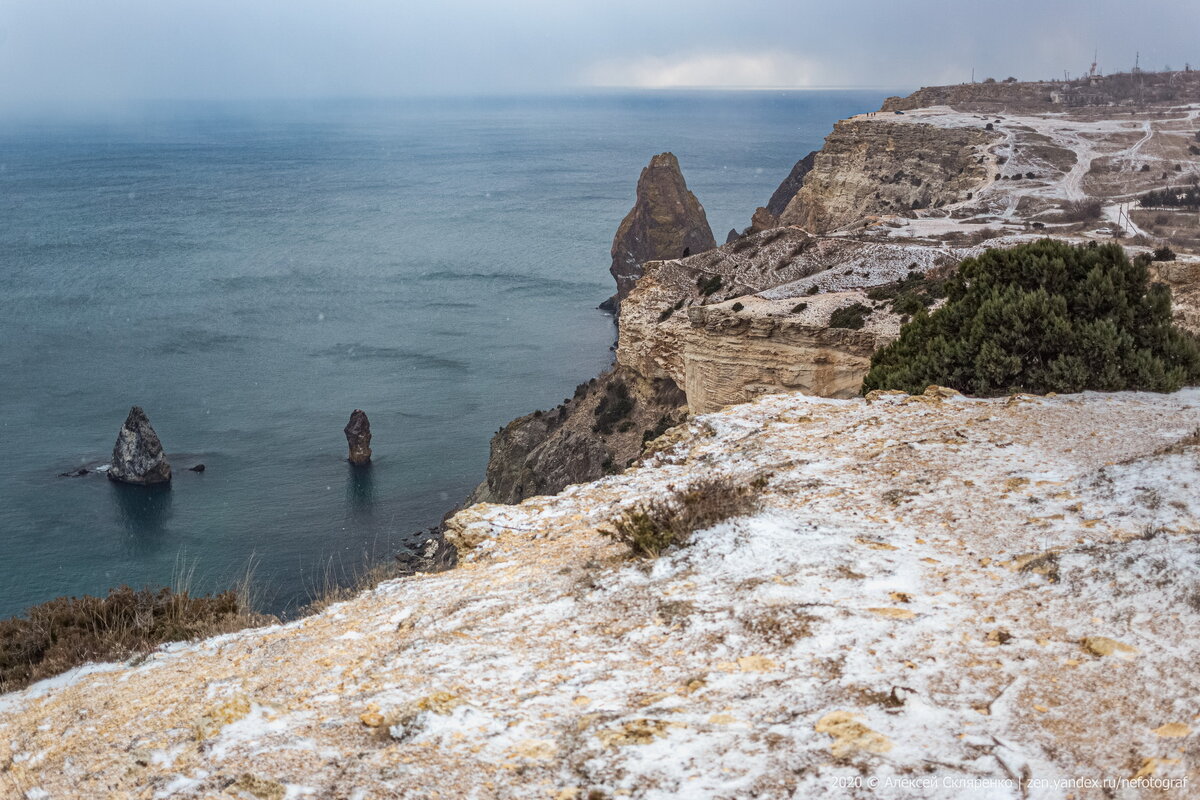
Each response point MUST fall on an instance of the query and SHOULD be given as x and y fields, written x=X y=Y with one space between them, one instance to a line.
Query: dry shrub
x=1087 y=210
x=982 y=235
x=780 y=626
x=68 y=631
x=651 y=527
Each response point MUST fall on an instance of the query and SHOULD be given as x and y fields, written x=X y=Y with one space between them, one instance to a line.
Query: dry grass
x=68 y=631
x=1192 y=440
x=334 y=591
x=650 y=528
x=339 y=584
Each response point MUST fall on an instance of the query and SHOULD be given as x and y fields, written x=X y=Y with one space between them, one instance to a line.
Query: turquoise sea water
x=251 y=274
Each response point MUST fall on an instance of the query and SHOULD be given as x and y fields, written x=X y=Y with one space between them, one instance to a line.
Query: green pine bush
x=1043 y=317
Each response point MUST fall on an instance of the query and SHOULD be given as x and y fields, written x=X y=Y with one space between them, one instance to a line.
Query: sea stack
x=138 y=456
x=358 y=436
x=666 y=221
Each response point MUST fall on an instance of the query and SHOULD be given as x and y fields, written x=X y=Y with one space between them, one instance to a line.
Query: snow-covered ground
x=938 y=597
x=1061 y=157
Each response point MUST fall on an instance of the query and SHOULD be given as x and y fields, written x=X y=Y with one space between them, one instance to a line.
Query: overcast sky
x=72 y=52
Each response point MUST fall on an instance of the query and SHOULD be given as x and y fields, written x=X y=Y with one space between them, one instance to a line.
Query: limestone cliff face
x=753 y=317
x=655 y=323
x=876 y=166
x=735 y=356
x=1183 y=278
x=666 y=221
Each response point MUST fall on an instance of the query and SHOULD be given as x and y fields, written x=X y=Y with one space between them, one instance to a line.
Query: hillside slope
x=968 y=592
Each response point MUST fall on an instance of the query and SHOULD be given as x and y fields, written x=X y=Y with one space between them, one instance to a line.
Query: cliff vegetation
x=1044 y=317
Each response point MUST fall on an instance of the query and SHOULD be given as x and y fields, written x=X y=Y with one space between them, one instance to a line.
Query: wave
x=185 y=341
x=456 y=306
x=511 y=281
x=366 y=352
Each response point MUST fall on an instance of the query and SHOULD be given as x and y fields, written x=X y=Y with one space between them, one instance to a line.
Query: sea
x=251 y=273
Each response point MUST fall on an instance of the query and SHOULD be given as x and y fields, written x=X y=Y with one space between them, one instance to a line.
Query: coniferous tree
x=1044 y=317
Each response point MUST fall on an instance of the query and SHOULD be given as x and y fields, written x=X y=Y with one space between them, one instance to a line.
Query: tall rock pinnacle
x=666 y=221
x=138 y=455
x=358 y=436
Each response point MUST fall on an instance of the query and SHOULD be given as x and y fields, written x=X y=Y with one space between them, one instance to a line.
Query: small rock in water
x=358 y=436
x=75 y=473
x=138 y=456
x=197 y=468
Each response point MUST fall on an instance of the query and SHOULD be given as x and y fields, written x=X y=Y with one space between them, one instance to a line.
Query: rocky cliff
x=756 y=316
x=942 y=593
x=889 y=196
x=786 y=190
x=598 y=431
x=666 y=221
x=872 y=166
x=602 y=428
x=765 y=347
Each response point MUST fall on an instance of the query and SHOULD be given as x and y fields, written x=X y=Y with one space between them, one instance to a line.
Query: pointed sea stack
x=358 y=436
x=666 y=221
x=138 y=456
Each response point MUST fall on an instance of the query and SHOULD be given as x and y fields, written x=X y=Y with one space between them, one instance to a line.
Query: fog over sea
x=250 y=274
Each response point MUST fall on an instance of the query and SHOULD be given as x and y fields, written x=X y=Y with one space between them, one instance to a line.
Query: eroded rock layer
x=758 y=315
x=872 y=166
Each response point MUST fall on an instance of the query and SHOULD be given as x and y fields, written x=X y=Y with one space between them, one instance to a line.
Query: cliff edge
x=930 y=587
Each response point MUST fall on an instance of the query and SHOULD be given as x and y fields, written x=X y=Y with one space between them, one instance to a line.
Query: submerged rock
x=138 y=456
x=75 y=473
x=358 y=436
x=197 y=468
x=666 y=221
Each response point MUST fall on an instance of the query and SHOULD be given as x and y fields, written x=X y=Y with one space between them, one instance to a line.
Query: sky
x=106 y=52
